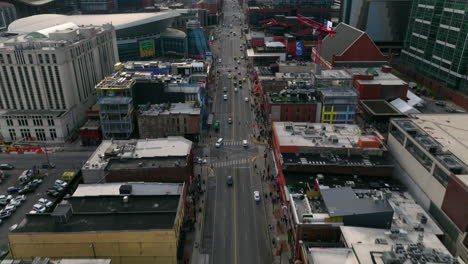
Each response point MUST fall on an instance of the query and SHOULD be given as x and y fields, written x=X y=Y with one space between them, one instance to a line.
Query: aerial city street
x=233 y=132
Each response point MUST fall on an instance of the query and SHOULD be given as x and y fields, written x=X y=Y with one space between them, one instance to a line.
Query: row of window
x=19 y=55
x=24 y=120
x=40 y=134
x=426 y=161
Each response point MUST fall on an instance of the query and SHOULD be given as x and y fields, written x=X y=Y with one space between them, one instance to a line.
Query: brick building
x=179 y=119
x=293 y=105
x=350 y=47
x=150 y=160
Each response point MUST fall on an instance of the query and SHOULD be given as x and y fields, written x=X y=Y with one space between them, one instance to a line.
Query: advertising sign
x=299 y=46
x=147 y=48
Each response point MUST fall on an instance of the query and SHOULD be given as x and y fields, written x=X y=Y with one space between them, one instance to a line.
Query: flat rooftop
x=380 y=77
x=320 y=135
x=115 y=83
x=369 y=244
x=146 y=163
x=297 y=96
x=331 y=256
x=449 y=130
x=380 y=108
x=344 y=201
x=108 y=213
x=334 y=159
x=333 y=75
x=138 y=188
x=176 y=108
x=137 y=149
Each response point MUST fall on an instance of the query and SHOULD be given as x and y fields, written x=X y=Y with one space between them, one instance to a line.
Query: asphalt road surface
x=235 y=229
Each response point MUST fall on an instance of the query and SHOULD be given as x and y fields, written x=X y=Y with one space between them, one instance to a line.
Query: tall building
x=7 y=15
x=197 y=43
x=47 y=79
x=436 y=46
x=33 y=7
x=116 y=106
x=385 y=20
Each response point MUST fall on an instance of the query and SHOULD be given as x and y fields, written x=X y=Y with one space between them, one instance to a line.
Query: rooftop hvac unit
x=408 y=126
x=451 y=163
x=62 y=213
x=427 y=143
x=390 y=258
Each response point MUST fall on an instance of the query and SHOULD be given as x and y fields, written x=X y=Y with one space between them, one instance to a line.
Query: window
x=25 y=133
x=53 y=134
x=54 y=58
x=30 y=59
x=22 y=120
x=12 y=134
x=395 y=132
x=326 y=117
x=441 y=176
x=419 y=155
x=37 y=120
x=9 y=58
x=40 y=58
x=9 y=120
x=50 y=121
x=40 y=134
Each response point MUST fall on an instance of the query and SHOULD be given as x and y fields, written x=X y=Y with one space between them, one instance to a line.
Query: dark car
x=5 y=214
x=48 y=165
x=58 y=188
x=13 y=189
x=229 y=180
x=6 y=166
x=52 y=192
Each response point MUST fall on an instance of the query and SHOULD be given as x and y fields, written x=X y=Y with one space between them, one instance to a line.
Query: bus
x=216 y=125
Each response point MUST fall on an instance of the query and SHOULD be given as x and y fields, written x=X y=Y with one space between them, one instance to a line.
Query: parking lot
x=64 y=162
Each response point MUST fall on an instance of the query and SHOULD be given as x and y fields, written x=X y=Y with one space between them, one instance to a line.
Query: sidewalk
x=278 y=234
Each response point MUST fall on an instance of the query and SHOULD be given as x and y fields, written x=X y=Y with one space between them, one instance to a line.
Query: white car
x=225 y=97
x=256 y=196
x=245 y=143
x=40 y=208
x=45 y=202
x=236 y=90
x=246 y=99
x=10 y=207
x=219 y=142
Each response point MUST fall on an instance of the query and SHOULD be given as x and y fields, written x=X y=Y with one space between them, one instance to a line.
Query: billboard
x=299 y=46
x=147 y=48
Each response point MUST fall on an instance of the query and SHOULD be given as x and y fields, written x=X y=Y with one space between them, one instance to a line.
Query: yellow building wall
x=130 y=247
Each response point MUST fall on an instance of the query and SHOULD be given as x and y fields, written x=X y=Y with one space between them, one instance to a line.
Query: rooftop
x=119 y=21
x=333 y=74
x=138 y=188
x=115 y=83
x=380 y=108
x=331 y=256
x=379 y=77
x=449 y=130
x=369 y=244
x=344 y=201
x=299 y=96
x=128 y=150
x=345 y=36
x=57 y=261
x=338 y=92
x=320 y=135
x=107 y=213
x=91 y=124
x=175 y=108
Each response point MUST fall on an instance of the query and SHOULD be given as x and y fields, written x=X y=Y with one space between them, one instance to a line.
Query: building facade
x=385 y=21
x=117 y=221
x=434 y=157
x=47 y=80
x=115 y=102
x=339 y=105
x=179 y=119
x=436 y=43
x=295 y=106
x=7 y=15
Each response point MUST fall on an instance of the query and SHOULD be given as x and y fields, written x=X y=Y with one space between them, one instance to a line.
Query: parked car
x=4 y=214
x=13 y=189
x=22 y=198
x=45 y=202
x=52 y=192
x=6 y=166
x=40 y=208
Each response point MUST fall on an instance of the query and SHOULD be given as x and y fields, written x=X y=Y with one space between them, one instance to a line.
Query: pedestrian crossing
x=229 y=163
x=233 y=143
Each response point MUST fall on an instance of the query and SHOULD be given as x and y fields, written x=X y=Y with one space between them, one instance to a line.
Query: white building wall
x=426 y=182
x=56 y=78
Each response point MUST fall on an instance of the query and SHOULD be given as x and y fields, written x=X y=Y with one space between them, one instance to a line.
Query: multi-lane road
x=235 y=229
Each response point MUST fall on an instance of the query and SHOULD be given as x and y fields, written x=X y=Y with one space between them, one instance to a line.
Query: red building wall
x=298 y=112
x=257 y=42
x=453 y=204
x=363 y=49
